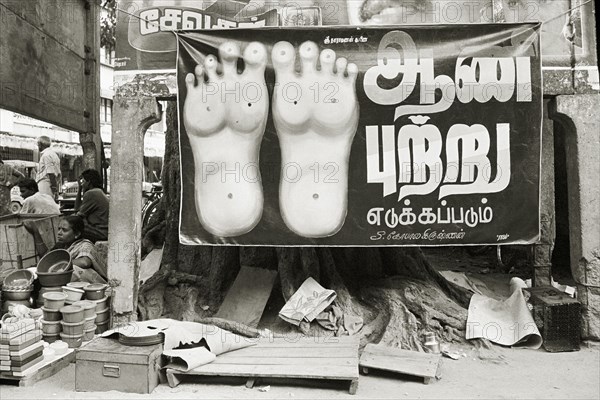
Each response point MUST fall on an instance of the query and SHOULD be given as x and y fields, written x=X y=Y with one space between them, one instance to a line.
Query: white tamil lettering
x=419 y=149
x=476 y=176
x=149 y=21
x=386 y=175
x=523 y=79
x=485 y=78
x=171 y=20
x=480 y=78
x=158 y=20
x=421 y=171
x=191 y=20
x=392 y=62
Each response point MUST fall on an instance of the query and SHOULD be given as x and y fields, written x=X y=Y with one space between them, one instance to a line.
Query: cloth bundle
x=308 y=302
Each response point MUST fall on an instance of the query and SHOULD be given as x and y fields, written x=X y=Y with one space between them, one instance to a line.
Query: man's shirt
x=40 y=203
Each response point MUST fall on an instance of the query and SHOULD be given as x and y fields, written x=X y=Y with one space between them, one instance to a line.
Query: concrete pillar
x=90 y=141
x=542 y=251
x=579 y=115
x=131 y=117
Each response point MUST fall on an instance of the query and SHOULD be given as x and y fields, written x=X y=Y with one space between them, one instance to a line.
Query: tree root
x=408 y=308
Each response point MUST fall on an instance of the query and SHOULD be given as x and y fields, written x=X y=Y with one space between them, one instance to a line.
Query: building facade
x=19 y=133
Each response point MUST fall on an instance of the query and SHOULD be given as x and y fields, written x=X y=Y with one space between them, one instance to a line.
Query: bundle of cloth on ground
x=307 y=302
x=187 y=344
x=312 y=302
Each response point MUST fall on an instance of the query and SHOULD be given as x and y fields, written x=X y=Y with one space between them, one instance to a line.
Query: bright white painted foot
x=316 y=116
x=225 y=118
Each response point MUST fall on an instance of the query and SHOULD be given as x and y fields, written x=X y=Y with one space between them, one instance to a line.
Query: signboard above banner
x=372 y=136
x=145 y=39
x=145 y=45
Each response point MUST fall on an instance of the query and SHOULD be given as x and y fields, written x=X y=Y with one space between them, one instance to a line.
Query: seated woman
x=87 y=265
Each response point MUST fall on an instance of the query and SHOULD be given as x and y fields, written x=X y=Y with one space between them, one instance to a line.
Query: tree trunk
x=396 y=291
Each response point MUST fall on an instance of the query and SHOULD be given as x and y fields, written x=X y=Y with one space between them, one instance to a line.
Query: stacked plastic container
x=43 y=290
x=97 y=294
x=51 y=326
x=89 y=318
x=72 y=325
x=71 y=319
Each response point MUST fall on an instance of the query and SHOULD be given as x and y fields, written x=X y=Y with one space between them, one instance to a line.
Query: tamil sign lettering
x=144 y=34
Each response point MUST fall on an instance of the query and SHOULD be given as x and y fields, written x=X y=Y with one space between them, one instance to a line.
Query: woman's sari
x=97 y=273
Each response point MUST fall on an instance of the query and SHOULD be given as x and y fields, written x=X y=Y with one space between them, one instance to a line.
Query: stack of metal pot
x=16 y=289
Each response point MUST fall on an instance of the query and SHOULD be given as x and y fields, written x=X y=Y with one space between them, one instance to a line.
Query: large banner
x=373 y=136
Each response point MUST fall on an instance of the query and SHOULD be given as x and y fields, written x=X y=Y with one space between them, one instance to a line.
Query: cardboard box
x=105 y=364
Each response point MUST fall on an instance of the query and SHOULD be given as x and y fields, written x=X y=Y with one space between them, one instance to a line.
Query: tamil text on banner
x=342 y=136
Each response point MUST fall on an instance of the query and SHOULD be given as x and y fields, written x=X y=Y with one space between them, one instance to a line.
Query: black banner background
x=515 y=209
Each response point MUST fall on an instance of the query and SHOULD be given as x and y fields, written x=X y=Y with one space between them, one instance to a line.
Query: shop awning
x=69 y=149
x=28 y=143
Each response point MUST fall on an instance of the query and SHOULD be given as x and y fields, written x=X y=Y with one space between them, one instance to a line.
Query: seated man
x=93 y=208
x=34 y=201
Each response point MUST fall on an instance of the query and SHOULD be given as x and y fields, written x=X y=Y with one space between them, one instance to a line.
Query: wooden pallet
x=307 y=358
x=40 y=371
x=401 y=361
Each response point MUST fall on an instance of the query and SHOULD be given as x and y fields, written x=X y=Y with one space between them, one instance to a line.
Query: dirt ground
x=504 y=374
x=499 y=373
